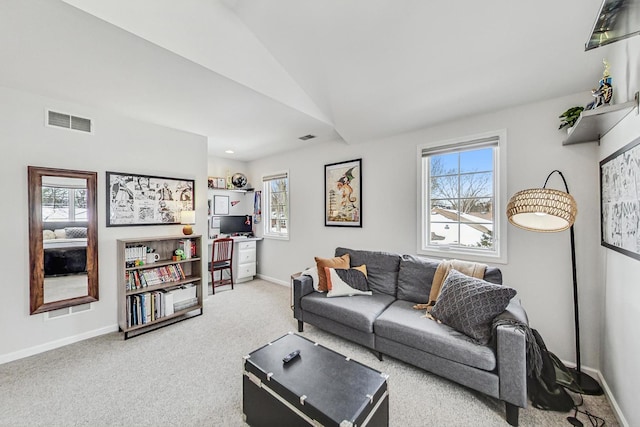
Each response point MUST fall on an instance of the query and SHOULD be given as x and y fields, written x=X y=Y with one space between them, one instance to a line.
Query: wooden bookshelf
x=151 y=295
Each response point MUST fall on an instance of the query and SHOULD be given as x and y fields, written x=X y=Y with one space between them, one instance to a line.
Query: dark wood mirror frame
x=36 y=248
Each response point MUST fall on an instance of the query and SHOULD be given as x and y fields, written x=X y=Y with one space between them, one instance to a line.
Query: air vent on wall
x=306 y=137
x=68 y=121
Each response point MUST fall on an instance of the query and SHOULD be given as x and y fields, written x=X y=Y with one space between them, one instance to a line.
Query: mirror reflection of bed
x=65 y=260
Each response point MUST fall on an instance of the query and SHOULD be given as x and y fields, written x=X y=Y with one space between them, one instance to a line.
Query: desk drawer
x=246 y=270
x=243 y=246
x=245 y=257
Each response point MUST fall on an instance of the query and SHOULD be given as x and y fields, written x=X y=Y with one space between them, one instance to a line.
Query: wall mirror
x=63 y=238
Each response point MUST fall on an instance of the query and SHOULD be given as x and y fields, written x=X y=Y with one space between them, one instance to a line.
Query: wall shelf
x=594 y=124
x=235 y=190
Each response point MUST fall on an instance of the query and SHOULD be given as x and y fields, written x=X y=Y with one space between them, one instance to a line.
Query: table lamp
x=187 y=218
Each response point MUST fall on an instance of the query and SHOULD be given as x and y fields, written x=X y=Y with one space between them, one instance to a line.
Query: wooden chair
x=221 y=260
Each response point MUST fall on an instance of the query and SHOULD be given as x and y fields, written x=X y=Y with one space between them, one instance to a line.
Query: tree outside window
x=64 y=204
x=461 y=198
x=461 y=192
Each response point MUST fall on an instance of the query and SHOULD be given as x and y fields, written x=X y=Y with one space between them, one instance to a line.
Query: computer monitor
x=236 y=224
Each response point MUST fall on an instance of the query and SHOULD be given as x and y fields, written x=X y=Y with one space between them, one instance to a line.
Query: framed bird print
x=343 y=194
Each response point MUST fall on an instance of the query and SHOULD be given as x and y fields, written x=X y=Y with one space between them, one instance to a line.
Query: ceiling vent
x=67 y=121
x=306 y=137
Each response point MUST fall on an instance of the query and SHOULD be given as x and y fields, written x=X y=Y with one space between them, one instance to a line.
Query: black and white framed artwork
x=147 y=200
x=620 y=200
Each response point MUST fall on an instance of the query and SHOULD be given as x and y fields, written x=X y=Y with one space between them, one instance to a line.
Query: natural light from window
x=460 y=198
x=64 y=204
x=276 y=205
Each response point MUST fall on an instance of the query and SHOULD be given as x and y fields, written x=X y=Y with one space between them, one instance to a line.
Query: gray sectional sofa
x=387 y=323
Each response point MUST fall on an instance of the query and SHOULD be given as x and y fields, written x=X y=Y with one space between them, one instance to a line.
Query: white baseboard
x=607 y=391
x=612 y=401
x=10 y=357
x=272 y=280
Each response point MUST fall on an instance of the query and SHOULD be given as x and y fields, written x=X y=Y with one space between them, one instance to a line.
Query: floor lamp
x=545 y=210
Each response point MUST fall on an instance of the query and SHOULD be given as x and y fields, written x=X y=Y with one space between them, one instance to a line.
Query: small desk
x=244 y=257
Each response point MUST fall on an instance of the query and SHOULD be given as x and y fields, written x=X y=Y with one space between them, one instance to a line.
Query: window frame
x=499 y=253
x=71 y=206
x=266 y=206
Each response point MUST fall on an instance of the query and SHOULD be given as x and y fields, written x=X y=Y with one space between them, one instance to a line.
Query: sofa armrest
x=302 y=285
x=511 y=355
x=514 y=311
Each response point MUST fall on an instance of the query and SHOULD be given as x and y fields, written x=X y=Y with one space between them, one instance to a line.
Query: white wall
x=619 y=273
x=119 y=144
x=539 y=264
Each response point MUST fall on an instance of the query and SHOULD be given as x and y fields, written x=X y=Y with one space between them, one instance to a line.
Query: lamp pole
x=586 y=382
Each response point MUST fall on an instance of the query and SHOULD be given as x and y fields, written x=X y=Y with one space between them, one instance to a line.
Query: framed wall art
x=620 y=200
x=221 y=205
x=147 y=200
x=216 y=182
x=343 y=194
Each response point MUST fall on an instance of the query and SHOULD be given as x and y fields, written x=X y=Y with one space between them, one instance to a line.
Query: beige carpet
x=190 y=374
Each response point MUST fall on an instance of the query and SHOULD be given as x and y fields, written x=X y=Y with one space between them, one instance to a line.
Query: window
x=276 y=205
x=461 y=199
x=64 y=203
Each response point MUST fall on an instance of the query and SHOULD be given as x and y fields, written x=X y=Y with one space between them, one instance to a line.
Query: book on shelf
x=188 y=247
x=133 y=254
x=181 y=271
x=157 y=305
x=143 y=308
x=139 y=279
x=135 y=310
x=129 y=311
x=168 y=303
x=147 y=307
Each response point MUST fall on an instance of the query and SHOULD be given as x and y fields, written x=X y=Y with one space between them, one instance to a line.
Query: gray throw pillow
x=469 y=305
x=76 y=232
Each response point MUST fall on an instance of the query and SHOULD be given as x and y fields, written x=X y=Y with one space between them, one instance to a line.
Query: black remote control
x=289 y=357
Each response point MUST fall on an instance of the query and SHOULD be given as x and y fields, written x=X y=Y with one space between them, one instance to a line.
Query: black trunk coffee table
x=318 y=387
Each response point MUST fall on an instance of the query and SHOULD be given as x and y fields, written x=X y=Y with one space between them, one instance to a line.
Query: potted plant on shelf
x=569 y=117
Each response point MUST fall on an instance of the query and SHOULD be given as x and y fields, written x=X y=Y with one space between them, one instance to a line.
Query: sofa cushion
x=469 y=304
x=340 y=261
x=402 y=324
x=358 y=312
x=346 y=282
x=382 y=268
x=493 y=275
x=415 y=278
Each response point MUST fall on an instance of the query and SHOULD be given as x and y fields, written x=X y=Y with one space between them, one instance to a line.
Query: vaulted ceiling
x=253 y=76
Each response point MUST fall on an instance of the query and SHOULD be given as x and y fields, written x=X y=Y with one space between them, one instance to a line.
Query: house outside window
x=461 y=198
x=275 y=189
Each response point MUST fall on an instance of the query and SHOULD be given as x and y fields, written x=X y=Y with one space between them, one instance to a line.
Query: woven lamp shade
x=542 y=209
